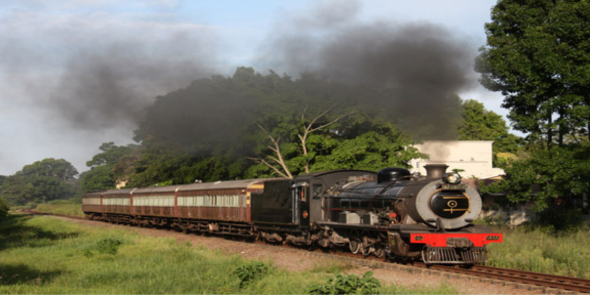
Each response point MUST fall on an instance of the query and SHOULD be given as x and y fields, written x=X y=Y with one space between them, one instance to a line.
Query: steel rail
x=519 y=276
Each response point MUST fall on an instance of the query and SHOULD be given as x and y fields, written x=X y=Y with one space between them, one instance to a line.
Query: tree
x=383 y=146
x=285 y=127
x=482 y=124
x=97 y=179
x=111 y=154
x=538 y=56
x=102 y=174
x=42 y=181
x=59 y=169
x=540 y=178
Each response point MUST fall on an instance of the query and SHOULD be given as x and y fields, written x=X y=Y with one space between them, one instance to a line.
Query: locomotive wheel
x=379 y=252
x=365 y=250
x=354 y=246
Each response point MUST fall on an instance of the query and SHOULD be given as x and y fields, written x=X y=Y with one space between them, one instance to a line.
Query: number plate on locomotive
x=454 y=187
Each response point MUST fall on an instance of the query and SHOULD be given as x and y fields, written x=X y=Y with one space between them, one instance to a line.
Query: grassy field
x=65 y=209
x=533 y=250
x=42 y=255
x=565 y=254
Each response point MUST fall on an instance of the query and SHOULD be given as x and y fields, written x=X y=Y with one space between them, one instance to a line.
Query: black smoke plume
x=418 y=68
x=112 y=88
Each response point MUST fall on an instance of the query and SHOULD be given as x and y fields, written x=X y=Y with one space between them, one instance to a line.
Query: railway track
x=532 y=278
x=494 y=273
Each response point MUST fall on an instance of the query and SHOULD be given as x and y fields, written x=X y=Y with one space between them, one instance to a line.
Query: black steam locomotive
x=391 y=212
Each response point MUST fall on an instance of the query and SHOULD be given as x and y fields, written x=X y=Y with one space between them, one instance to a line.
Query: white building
x=474 y=157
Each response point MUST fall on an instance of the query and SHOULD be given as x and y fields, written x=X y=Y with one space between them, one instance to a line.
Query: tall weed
x=543 y=250
x=251 y=271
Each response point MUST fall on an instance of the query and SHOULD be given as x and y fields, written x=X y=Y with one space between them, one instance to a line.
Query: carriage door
x=297 y=194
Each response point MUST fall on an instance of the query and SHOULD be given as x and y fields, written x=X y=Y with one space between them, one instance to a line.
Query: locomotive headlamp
x=452 y=178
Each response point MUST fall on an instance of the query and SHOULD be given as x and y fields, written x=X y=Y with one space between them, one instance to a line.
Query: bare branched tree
x=277 y=159
x=308 y=129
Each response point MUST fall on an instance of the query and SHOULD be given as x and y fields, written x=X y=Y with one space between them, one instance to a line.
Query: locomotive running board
x=448 y=255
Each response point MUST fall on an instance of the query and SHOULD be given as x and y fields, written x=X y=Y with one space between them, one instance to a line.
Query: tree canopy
x=254 y=125
x=481 y=124
x=538 y=56
x=42 y=181
x=102 y=174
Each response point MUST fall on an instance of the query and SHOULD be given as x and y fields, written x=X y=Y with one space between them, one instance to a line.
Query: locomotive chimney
x=435 y=170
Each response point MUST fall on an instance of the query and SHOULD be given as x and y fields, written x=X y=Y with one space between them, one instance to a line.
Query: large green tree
x=482 y=124
x=42 y=181
x=538 y=56
x=540 y=178
x=102 y=174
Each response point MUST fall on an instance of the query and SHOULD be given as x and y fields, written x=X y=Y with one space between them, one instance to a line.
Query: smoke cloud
x=417 y=67
x=101 y=72
x=71 y=80
x=113 y=88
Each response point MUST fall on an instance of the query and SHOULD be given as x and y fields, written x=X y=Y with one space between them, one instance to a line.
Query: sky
x=76 y=73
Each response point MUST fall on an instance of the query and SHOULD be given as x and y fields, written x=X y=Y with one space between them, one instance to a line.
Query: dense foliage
x=542 y=176
x=42 y=181
x=3 y=209
x=252 y=125
x=481 y=124
x=538 y=57
x=102 y=174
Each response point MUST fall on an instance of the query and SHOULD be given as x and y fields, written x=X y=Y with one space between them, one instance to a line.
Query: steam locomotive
x=391 y=213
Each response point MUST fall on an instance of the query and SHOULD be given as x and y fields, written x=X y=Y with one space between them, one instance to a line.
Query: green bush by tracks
x=351 y=284
x=250 y=272
x=44 y=255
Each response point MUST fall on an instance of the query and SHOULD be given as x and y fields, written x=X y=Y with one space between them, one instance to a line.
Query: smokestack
x=435 y=170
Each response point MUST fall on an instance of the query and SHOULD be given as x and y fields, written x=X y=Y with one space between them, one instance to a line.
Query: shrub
x=250 y=272
x=351 y=284
x=3 y=209
x=108 y=246
x=560 y=219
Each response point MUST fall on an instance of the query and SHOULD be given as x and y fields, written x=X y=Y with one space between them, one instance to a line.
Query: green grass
x=65 y=209
x=43 y=255
x=537 y=250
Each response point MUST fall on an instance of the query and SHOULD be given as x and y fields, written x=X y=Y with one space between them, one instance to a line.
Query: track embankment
x=504 y=279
